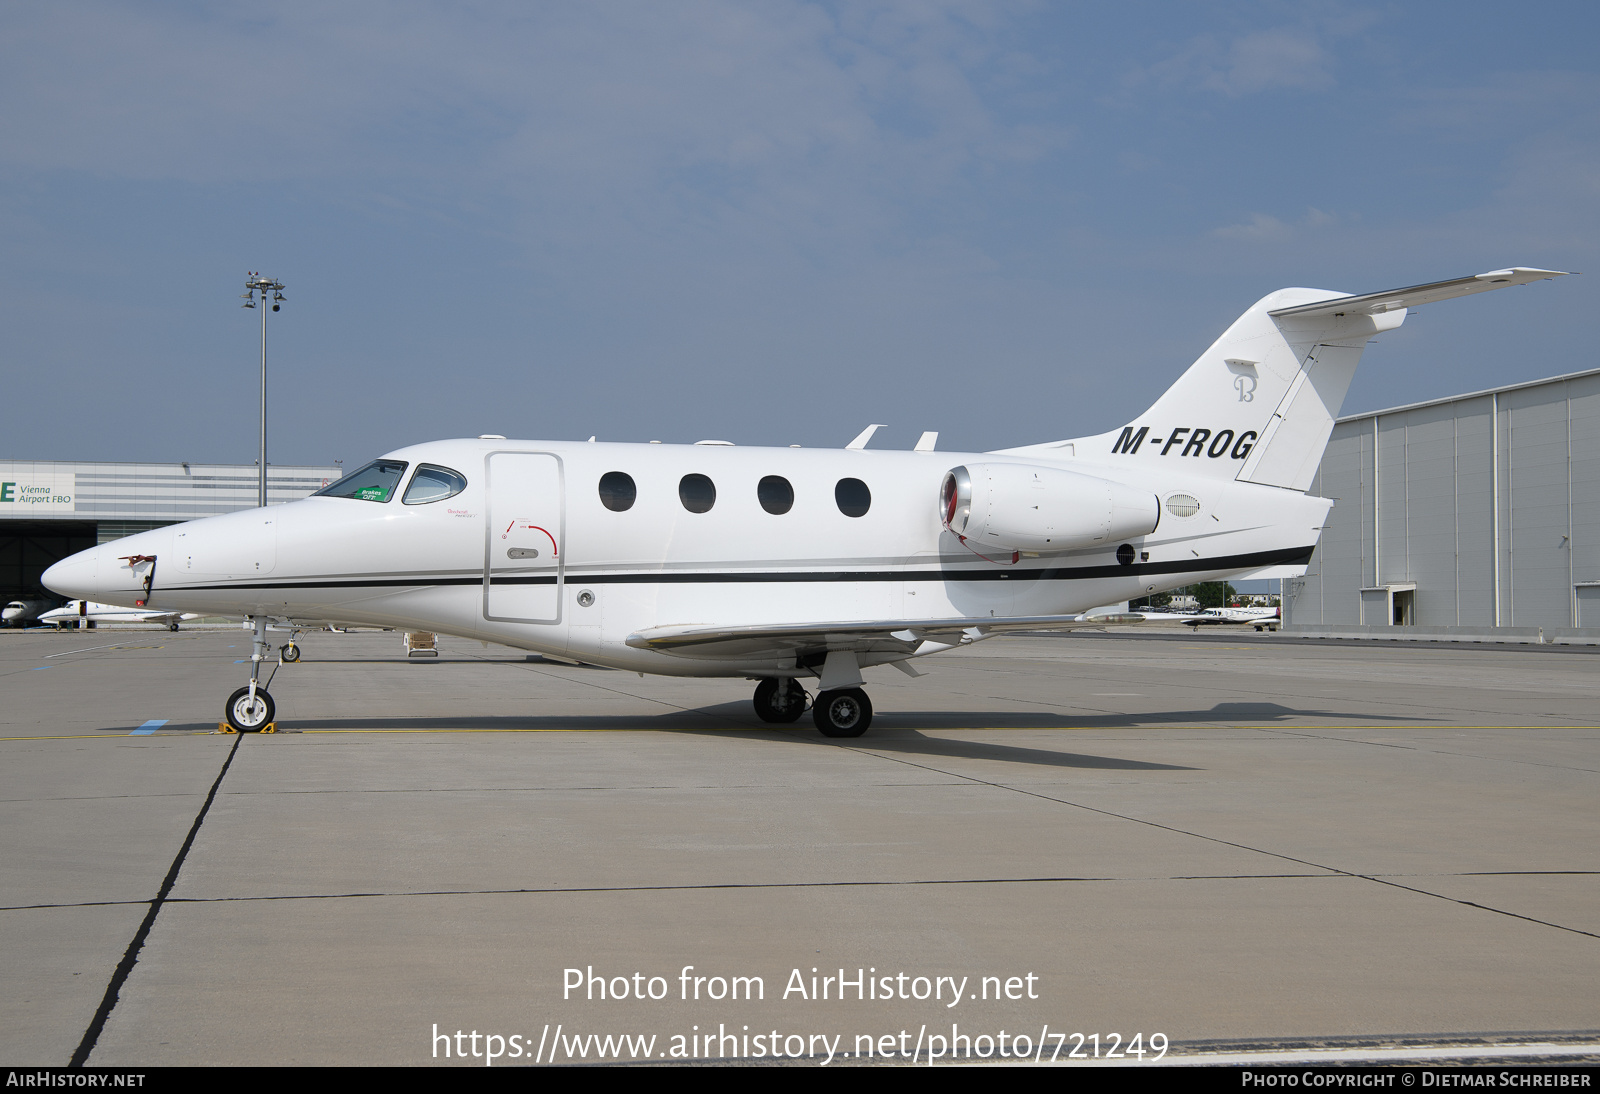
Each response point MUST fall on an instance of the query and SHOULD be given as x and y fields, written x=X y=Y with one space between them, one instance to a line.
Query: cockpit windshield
x=375 y=482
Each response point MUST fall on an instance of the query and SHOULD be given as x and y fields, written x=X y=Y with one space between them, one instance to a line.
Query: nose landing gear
x=250 y=709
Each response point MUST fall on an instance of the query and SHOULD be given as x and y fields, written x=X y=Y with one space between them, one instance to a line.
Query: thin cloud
x=1264 y=228
x=1283 y=58
x=1503 y=102
x=1269 y=60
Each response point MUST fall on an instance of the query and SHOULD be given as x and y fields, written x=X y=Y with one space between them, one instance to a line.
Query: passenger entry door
x=525 y=538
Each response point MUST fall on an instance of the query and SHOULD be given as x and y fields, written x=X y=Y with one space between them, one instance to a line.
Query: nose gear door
x=524 y=538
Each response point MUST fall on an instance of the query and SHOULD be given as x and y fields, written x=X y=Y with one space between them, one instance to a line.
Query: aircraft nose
x=76 y=577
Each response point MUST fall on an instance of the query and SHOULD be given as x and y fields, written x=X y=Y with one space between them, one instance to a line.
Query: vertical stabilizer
x=1260 y=404
x=1257 y=405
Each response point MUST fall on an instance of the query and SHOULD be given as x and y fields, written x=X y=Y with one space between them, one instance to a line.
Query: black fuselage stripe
x=1290 y=556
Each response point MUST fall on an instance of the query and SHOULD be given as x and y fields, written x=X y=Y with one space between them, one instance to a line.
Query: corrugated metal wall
x=160 y=492
x=1488 y=503
x=153 y=491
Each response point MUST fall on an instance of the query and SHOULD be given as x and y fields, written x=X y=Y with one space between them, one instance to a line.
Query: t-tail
x=1260 y=404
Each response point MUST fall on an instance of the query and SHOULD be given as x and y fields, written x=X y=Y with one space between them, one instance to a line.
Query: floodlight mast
x=254 y=283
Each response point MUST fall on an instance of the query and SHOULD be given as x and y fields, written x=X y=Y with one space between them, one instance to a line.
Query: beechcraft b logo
x=1246 y=386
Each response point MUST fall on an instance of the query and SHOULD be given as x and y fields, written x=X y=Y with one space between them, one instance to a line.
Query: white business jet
x=794 y=567
x=1259 y=618
x=80 y=612
x=19 y=613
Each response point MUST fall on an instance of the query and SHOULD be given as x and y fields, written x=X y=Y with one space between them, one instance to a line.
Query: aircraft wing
x=887 y=636
x=1417 y=295
x=163 y=617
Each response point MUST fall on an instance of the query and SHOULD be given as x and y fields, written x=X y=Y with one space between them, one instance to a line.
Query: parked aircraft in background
x=1260 y=618
x=20 y=612
x=79 y=612
x=786 y=565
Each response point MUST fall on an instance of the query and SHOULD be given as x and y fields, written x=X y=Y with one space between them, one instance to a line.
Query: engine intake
x=1023 y=507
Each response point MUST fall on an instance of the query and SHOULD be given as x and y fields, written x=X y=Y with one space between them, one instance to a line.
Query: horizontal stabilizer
x=1374 y=303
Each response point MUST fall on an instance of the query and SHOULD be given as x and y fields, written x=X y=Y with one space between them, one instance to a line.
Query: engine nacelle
x=1022 y=507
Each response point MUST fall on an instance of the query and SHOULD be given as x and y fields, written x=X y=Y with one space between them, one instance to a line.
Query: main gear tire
x=782 y=707
x=843 y=713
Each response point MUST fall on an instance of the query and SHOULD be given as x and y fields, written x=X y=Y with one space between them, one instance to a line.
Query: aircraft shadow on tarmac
x=901 y=732
x=893 y=731
x=1224 y=713
x=447 y=658
x=910 y=742
x=735 y=716
x=886 y=738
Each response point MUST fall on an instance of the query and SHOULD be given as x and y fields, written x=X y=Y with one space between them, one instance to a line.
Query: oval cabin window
x=697 y=493
x=853 y=497
x=775 y=494
x=617 y=491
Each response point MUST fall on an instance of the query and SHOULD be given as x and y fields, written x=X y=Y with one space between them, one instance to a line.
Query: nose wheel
x=248 y=713
x=843 y=713
x=290 y=652
x=250 y=709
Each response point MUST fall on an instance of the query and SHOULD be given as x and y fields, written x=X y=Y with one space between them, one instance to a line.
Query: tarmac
x=1226 y=843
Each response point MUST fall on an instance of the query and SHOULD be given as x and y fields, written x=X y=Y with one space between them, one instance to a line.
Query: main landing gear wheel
x=245 y=716
x=843 y=713
x=172 y=626
x=779 y=700
x=290 y=653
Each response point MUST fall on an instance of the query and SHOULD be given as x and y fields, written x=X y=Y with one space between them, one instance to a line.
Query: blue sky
x=771 y=223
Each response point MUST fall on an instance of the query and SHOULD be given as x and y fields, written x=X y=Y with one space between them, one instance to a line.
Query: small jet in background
x=86 y=611
x=21 y=612
x=1263 y=619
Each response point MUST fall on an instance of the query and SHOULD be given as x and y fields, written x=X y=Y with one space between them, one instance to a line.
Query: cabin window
x=775 y=494
x=617 y=491
x=853 y=497
x=433 y=483
x=697 y=493
x=375 y=482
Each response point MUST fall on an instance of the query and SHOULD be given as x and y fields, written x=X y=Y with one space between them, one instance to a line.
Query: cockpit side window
x=375 y=482
x=433 y=483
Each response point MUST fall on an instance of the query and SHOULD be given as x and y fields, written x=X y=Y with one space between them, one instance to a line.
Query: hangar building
x=1476 y=511
x=51 y=510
